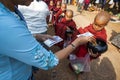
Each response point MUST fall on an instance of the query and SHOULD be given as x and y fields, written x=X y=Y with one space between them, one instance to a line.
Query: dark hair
x=38 y=0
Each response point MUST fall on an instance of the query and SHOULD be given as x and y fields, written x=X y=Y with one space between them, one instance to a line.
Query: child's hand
x=92 y=54
x=67 y=28
x=93 y=40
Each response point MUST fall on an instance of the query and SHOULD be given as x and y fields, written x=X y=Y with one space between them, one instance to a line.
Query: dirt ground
x=106 y=67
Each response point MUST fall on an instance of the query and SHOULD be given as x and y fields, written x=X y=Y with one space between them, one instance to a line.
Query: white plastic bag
x=81 y=64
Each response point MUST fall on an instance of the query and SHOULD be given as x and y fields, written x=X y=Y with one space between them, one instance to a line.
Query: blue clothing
x=115 y=0
x=20 y=14
x=19 y=50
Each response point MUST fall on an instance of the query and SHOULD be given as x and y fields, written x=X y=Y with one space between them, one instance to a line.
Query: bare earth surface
x=107 y=67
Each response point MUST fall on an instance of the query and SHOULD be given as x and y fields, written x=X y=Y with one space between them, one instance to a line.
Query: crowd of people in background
x=111 y=6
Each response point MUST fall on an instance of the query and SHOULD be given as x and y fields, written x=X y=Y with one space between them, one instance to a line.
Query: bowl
x=100 y=46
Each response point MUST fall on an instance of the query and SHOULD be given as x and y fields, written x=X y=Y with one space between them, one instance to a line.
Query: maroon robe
x=61 y=27
x=51 y=7
x=55 y=1
x=56 y=10
x=58 y=15
x=82 y=50
x=97 y=34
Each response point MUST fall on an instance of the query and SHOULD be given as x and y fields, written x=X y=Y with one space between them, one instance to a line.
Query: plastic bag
x=80 y=64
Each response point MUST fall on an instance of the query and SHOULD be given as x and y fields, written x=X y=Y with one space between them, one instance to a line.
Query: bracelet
x=73 y=46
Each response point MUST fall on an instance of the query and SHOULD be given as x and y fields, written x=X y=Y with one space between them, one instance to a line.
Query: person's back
x=11 y=64
x=17 y=58
x=35 y=15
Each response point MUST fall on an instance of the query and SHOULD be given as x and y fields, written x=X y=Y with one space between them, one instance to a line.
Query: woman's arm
x=66 y=51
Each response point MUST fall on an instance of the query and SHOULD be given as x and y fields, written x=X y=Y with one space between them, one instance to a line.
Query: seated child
x=61 y=12
x=56 y=1
x=51 y=5
x=66 y=28
x=80 y=61
x=57 y=8
x=97 y=29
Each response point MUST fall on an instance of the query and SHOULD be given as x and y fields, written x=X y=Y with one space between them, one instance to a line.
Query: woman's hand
x=83 y=40
x=42 y=37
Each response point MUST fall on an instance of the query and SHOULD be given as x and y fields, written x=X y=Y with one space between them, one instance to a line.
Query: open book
x=51 y=42
x=85 y=34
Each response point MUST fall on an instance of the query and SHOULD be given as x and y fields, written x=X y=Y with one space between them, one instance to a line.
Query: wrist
x=73 y=46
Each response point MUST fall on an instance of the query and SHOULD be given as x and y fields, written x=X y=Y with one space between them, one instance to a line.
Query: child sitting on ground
x=66 y=28
x=61 y=12
x=97 y=29
x=57 y=8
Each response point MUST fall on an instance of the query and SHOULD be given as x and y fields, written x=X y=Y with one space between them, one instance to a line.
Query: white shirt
x=35 y=15
x=97 y=1
x=111 y=2
x=81 y=1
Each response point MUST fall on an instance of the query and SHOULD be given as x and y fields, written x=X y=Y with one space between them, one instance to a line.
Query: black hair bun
x=100 y=46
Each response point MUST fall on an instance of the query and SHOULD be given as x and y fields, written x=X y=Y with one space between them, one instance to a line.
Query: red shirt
x=61 y=27
x=82 y=50
x=57 y=15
